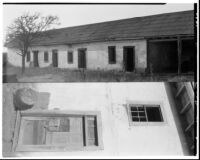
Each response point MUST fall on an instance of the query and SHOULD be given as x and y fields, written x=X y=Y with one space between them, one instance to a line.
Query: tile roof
x=167 y=24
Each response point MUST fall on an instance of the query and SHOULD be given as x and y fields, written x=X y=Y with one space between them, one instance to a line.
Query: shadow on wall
x=17 y=97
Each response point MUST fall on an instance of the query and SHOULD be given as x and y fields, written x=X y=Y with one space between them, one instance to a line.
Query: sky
x=73 y=15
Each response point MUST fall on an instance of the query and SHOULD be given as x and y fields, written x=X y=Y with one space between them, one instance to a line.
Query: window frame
x=60 y=113
x=146 y=123
x=68 y=57
x=110 y=55
x=46 y=56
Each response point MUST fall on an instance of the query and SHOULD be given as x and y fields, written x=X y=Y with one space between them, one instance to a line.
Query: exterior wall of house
x=97 y=55
x=118 y=136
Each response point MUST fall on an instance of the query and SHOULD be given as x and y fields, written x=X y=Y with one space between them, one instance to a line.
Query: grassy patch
x=50 y=74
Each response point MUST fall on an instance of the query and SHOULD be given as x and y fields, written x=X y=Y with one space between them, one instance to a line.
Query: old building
x=111 y=119
x=161 y=43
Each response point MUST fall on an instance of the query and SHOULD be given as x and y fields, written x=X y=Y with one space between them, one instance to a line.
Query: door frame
x=53 y=60
x=85 y=59
x=125 y=60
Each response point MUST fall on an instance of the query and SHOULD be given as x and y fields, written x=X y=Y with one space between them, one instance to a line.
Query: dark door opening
x=129 y=59
x=163 y=56
x=82 y=58
x=55 y=58
x=35 y=59
x=188 y=56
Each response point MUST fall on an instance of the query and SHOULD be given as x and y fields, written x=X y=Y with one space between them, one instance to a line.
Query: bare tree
x=27 y=29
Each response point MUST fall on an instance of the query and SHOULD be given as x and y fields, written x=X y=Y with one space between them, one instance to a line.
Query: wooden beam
x=189 y=126
x=179 y=41
x=180 y=90
x=185 y=108
x=16 y=131
x=85 y=131
x=163 y=40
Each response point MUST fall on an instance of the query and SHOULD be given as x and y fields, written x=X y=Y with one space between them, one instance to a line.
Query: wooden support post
x=179 y=54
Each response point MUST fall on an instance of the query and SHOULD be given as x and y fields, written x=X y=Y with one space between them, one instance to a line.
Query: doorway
x=163 y=56
x=82 y=58
x=129 y=58
x=55 y=58
x=35 y=59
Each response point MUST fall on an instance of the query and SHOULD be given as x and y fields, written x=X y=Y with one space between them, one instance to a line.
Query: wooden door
x=55 y=58
x=82 y=58
x=129 y=59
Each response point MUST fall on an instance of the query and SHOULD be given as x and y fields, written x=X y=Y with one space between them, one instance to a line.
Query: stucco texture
x=118 y=136
x=96 y=55
x=10 y=108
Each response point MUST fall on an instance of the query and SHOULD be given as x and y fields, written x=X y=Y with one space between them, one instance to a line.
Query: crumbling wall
x=12 y=102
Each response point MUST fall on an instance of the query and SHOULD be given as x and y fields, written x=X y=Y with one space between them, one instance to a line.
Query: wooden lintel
x=163 y=40
x=169 y=38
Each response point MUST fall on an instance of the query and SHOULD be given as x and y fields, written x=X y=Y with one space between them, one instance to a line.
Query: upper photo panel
x=99 y=42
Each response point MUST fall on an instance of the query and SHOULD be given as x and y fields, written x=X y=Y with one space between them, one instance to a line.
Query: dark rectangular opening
x=154 y=114
x=81 y=58
x=188 y=56
x=129 y=58
x=46 y=56
x=35 y=59
x=55 y=58
x=70 y=57
x=111 y=54
x=163 y=56
x=28 y=56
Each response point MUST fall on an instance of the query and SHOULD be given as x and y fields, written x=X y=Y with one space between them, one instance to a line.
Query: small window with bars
x=145 y=113
x=65 y=131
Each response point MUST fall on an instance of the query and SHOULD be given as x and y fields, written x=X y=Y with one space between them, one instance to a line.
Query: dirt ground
x=50 y=74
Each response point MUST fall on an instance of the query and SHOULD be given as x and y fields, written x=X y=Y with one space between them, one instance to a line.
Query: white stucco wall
x=97 y=55
x=119 y=138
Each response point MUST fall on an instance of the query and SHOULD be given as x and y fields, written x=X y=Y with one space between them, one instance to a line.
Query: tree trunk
x=23 y=63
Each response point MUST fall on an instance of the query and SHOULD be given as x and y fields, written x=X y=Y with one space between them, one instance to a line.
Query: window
x=112 y=54
x=46 y=56
x=28 y=56
x=145 y=113
x=58 y=131
x=70 y=57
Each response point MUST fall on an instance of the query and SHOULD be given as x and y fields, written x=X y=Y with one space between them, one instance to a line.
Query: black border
x=73 y=3
x=195 y=81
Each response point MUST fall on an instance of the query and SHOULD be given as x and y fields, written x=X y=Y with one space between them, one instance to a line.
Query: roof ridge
x=118 y=20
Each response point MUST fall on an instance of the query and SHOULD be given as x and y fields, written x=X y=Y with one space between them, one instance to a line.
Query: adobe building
x=123 y=119
x=161 y=43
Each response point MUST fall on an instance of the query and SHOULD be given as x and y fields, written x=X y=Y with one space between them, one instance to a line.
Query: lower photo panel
x=99 y=119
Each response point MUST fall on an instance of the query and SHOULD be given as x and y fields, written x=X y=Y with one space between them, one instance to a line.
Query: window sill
x=55 y=148
x=147 y=124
